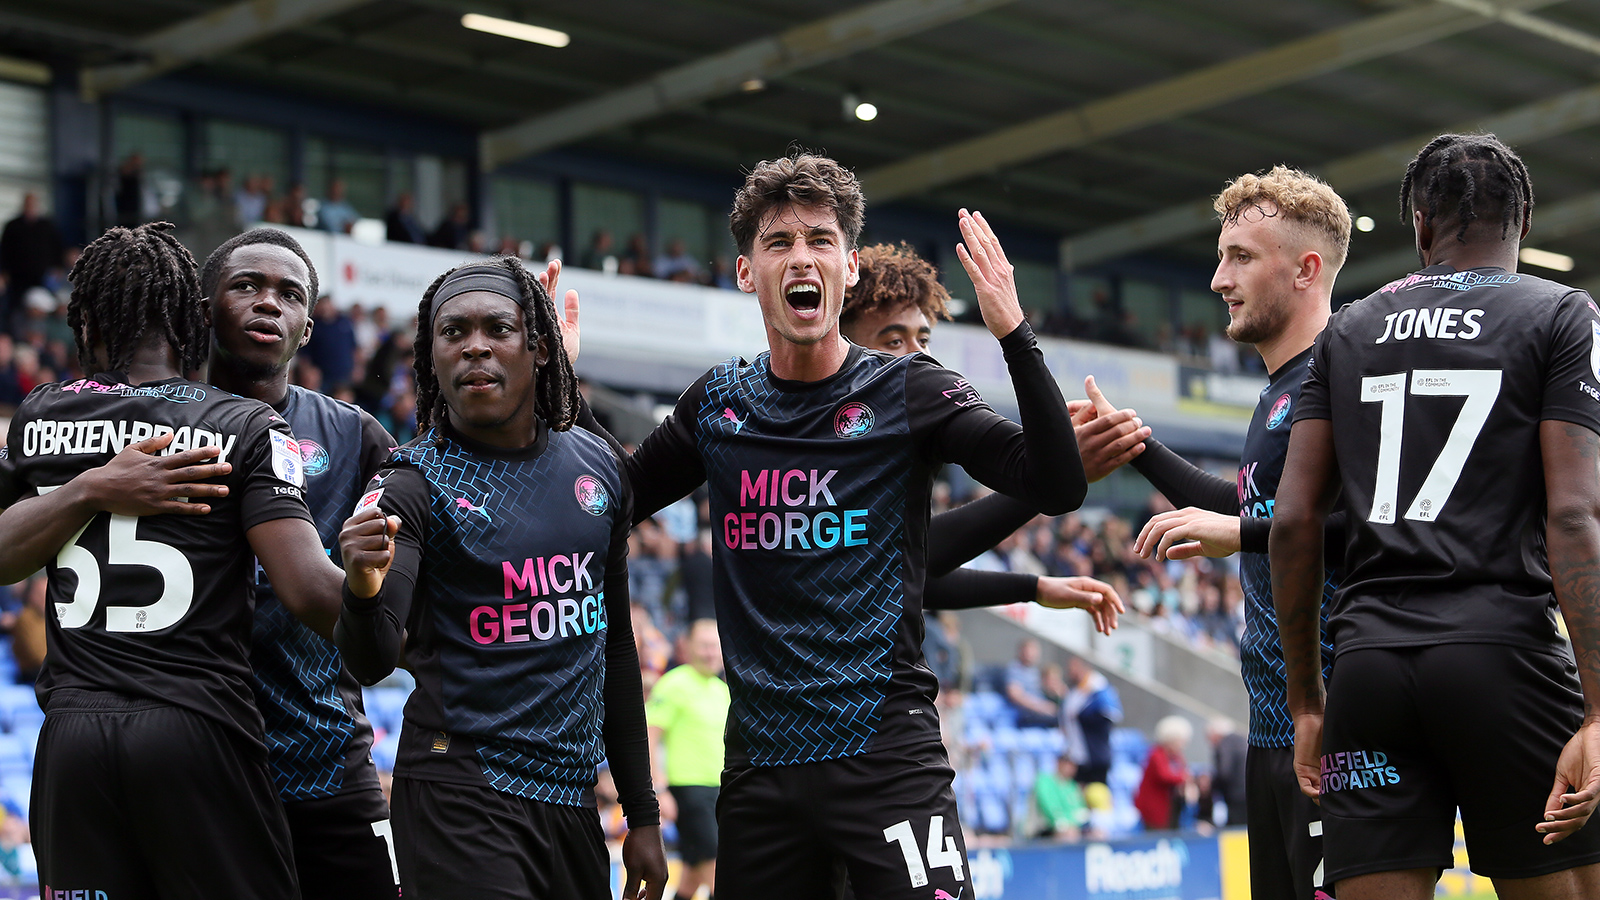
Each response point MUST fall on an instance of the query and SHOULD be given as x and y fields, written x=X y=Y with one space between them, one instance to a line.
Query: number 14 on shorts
x=941 y=850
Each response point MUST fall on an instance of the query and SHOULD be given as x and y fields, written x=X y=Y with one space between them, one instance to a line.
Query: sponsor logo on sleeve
x=963 y=394
x=853 y=420
x=592 y=495
x=1594 y=352
x=368 y=501
x=286 y=462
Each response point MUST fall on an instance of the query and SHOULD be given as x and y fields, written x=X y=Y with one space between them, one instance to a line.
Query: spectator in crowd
x=637 y=261
x=687 y=712
x=601 y=253
x=676 y=264
x=721 y=275
x=1228 y=749
x=332 y=348
x=1025 y=688
x=1059 y=803
x=250 y=203
x=1091 y=709
x=30 y=246
x=129 y=198
x=943 y=658
x=1160 y=797
x=336 y=215
x=401 y=221
x=654 y=651
x=454 y=229
x=294 y=206
x=208 y=216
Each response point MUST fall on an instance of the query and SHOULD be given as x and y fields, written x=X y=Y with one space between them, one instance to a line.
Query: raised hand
x=549 y=280
x=1079 y=592
x=992 y=274
x=366 y=543
x=1108 y=438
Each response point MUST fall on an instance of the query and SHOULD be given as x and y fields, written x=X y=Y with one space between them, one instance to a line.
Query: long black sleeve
x=1185 y=483
x=969 y=588
x=957 y=536
x=667 y=466
x=370 y=633
x=1038 y=459
x=623 y=729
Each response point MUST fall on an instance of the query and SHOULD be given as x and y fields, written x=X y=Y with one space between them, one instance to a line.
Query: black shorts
x=1285 y=829
x=138 y=799
x=1411 y=733
x=697 y=822
x=802 y=828
x=461 y=842
x=343 y=847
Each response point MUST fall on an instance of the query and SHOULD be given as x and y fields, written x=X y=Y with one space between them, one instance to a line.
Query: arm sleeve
x=1185 y=483
x=667 y=466
x=623 y=729
x=376 y=445
x=1037 y=459
x=371 y=631
x=1574 y=358
x=969 y=588
x=955 y=537
x=271 y=480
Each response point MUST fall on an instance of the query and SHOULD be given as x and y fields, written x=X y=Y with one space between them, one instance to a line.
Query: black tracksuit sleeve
x=1185 y=483
x=968 y=588
x=667 y=466
x=370 y=633
x=1037 y=459
x=957 y=536
x=623 y=729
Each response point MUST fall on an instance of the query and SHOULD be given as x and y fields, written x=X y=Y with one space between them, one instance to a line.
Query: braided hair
x=1469 y=177
x=556 y=397
x=130 y=280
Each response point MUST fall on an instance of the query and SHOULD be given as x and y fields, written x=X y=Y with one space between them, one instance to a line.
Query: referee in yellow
x=687 y=712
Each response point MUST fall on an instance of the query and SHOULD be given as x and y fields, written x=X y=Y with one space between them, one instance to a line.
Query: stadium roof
x=1108 y=121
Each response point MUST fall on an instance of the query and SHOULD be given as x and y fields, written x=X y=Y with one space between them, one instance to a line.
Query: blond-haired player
x=1284 y=237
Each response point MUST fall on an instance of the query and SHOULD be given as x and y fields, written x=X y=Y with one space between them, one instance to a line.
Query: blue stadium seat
x=18 y=703
x=1006 y=739
x=993 y=814
x=1129 y=744
x=385 y=707
x=383 y=752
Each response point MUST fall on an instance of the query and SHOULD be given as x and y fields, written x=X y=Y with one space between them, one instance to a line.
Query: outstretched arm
x=306 y=581
x=1571 y=455
x=1306 y=494
x=970 y=588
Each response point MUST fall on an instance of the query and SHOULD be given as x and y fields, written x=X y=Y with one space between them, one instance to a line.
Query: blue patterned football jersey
x=508 y=628
x=318 y=736
x=819 y=495
x=1260 y=469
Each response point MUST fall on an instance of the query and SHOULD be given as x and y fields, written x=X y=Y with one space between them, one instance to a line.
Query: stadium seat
x=993 y=816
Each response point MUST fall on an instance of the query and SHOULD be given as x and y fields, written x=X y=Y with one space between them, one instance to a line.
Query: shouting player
x=1284 y=236
x=1456 y=410
x=493 y=550
x=151 y=773
x=819 y=458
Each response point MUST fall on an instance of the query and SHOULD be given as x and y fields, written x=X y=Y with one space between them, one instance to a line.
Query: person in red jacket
x=1165 y=774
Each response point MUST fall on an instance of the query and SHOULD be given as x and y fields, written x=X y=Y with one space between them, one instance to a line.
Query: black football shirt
x=1436 y=386
x=159 y=607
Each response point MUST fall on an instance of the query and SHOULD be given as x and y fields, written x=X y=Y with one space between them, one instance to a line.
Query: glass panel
x=617 y=212
x=1147 y=314
x=158 y=138
x=248 y=150
x=526 y=209
x=1036 y=286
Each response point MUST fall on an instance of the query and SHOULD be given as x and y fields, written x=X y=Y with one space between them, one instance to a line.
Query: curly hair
x=800 y=179
x=556 y=399
x=894 y=276
x=211 y=272
x=1467 y=178
x=128 y=281
x=1303 y=199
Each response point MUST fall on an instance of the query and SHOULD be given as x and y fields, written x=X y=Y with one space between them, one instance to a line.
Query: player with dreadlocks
x=151 y=775
x=494 y=549
x=1454 y=413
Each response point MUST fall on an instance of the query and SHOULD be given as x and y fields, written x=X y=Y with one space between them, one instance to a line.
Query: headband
x=494 y=279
